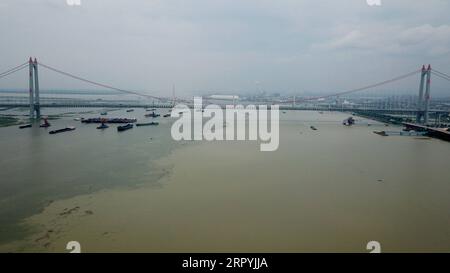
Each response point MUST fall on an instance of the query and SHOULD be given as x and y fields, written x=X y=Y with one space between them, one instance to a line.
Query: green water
x=37 y=168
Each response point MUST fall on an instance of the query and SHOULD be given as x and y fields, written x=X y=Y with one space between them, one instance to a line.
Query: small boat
x=25 y=126
x=313 y=128
x=124 y=127
x=77 y=119
x=103 y=113
x=45 y=124
x=130 y=110
x=349 y=121
x=381 y=133
x=70 y=128
x=166 y=115
x=147 y=123
x=103 y=126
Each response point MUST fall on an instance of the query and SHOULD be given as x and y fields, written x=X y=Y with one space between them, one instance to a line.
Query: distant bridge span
x=409 y=112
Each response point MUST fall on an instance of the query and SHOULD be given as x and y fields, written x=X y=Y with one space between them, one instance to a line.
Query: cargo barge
x=109 y=120
x=147 y=124
x=153 y=115
x=124 y=127
x=25 y=126
x=70 y=128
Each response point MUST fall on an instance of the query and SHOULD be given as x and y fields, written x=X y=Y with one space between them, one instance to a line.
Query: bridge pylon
x=35 y=109
x=424 y=99
x=31 y=87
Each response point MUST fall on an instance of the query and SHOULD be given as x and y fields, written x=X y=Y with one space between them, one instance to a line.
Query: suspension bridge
x=386 y=109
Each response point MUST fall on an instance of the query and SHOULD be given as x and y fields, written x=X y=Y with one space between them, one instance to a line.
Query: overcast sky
x=225 y=46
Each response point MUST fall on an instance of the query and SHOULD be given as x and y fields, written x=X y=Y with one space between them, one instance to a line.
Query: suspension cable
x=442 y=73
x=360 y=88
x=13 y=70
x=98 y=84
x=24 y=65
x=441 y=76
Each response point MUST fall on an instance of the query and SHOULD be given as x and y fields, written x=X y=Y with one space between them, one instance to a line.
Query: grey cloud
x=424 y=39
x=223 y=45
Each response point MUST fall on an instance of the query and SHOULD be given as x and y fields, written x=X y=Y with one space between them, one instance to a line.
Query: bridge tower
x=424 y=99
x=37 y=107
x=34 y=89
x=31 y=85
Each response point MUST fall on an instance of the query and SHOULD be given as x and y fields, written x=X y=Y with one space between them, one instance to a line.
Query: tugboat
x=103 y=126
x=124 y=127
x=349 y=122
x=70 y=128
x=147 y=124
x=45 y=124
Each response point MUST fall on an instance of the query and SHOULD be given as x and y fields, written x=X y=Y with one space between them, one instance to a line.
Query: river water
x=333 y=189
